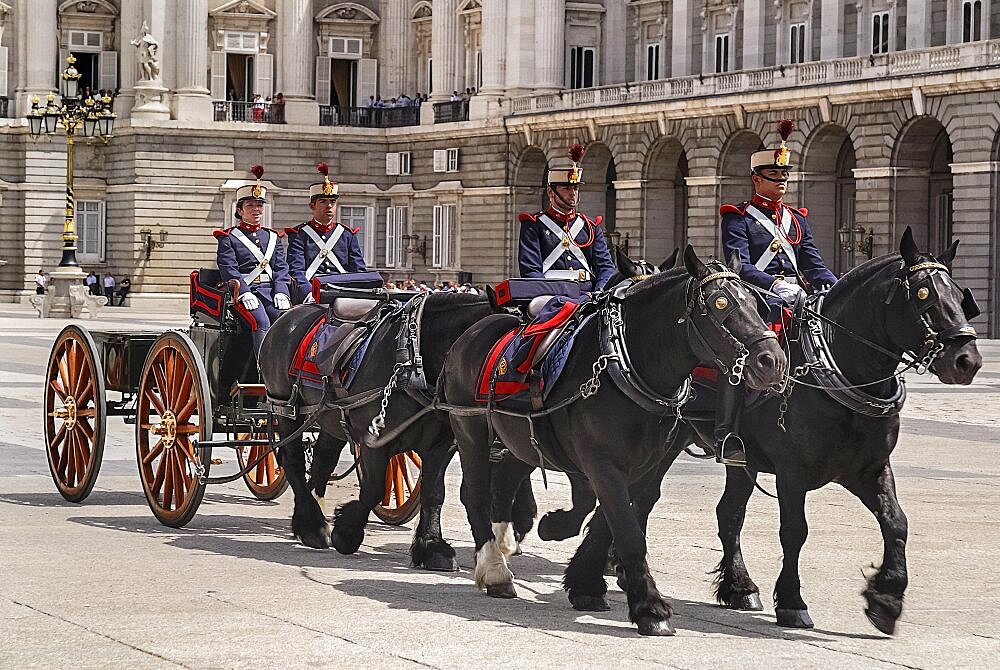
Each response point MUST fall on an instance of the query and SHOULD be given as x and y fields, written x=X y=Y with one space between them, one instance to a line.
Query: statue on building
x=149 y=54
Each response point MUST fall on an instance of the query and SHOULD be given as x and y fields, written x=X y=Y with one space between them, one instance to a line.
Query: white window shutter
x=392 y=163
x=323 y=80
x=367 y=80
x=3 y=71
x=263 y=66
x=219 y=75
x=438 y=231
x=453 y=160
x=109 y=71
x=391 y=235
x=404 y=162
x=449 y=236
x=368 y=236
x=440 y=160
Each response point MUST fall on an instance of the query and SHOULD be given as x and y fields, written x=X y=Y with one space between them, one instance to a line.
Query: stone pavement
x=103 y=585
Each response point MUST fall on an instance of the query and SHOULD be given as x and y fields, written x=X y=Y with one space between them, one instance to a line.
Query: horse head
x=640 y=269
x=928 y=312
x=727 y=329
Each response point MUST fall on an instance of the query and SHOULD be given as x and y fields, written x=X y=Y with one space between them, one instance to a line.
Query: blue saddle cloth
x=508 y=368
x=312 y=360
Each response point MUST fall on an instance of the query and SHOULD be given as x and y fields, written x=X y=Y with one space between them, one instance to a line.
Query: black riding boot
x=728 y=444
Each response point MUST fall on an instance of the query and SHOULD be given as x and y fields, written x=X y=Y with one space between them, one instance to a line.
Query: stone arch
x=529 y=180
x=827 y=188
x=665 y=199
x=922 y=188
x=597 y=195
x=734 y=165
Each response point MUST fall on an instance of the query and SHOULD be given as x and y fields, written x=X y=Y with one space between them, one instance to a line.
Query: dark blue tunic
x=538 y=241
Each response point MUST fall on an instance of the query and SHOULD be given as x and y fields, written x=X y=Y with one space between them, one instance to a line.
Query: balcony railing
x=249 y=112
x=4 y=105
x=900 y=63
x=369 y=117
x=449 y=112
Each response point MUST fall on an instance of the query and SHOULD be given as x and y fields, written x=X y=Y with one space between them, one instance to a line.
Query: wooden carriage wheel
x=267 y=480
x=402 y=489
x=173 y=413
x=75 y=417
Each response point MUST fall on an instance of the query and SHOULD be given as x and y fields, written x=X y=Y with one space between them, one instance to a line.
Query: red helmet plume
x=323 y=168
x=785 y=128
x=576 y=152
x=257 y=171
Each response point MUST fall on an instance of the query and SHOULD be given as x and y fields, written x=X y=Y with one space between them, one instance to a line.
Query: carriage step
x=247 y=390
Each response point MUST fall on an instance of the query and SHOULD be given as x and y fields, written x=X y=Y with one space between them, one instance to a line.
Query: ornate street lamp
x=93 y=117
x=857 y=239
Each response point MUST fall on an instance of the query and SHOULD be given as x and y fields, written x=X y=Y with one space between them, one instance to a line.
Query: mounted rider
x=776 y=247
x=254 y=257
x=322 y=248
x=560 y=242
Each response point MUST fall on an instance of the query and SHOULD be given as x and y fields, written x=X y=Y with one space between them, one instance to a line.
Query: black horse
x=885 y=307
x=605 y=434
x=445 y=317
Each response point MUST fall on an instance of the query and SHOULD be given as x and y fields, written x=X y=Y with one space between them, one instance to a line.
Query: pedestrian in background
x=41 y=281
x=123 y=288
x=91 y=282
x=109 y=288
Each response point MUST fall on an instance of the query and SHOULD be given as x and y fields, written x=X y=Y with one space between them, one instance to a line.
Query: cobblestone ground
x=102 y=584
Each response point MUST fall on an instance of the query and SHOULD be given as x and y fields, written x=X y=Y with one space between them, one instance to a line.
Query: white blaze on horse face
x=491 y=560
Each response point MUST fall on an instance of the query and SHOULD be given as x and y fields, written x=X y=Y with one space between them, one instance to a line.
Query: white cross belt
x=325 y=250
x=556 y=253
x=263 y=259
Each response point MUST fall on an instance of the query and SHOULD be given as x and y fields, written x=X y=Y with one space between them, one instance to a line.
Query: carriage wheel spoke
x=85 y=394
x=161 y=384
x=183 y=394
x=414 y=457
x=180 y=482
x=58 y=437
x=64 y=373
x=71 y=366
x=188 y=429
x=170 y=371
x=153 y=453
x=185 y=412
x=85 y=426
x=74 y=459
x=89 y=412
x=161 y=472
x=63 y=439
x=398 y=487
x=155 y=402
x=406 y=478
x=58 y=389
x=168 y=478
x=272 y=473
x=83 y=455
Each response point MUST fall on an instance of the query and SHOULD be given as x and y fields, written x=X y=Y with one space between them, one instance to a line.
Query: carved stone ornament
x=423 y=13
x=87 y=7
x=346 y=13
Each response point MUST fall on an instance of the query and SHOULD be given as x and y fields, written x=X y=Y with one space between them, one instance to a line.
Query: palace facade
x=897 y=104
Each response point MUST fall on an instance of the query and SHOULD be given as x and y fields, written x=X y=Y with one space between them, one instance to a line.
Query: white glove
x=249 y=301
x=309 y=300
x=281 y=301
x=787 y=291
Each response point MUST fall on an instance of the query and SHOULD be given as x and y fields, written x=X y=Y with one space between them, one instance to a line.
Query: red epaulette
x=354 y=231
x=524 y=217
x=279 y=233
x=733 y=209
x=804 y=211
x=595 y=223
x=293 y=231
x=221 y=233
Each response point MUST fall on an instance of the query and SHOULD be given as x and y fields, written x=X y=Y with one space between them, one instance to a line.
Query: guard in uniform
x=561 y=243
x=322 y=248
x=776 y=247
x=254 y=256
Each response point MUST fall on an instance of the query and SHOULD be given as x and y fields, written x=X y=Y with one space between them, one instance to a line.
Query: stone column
x=520 y=61
x=831 y=35
x=680 y=39
x=975 y=266
x=444 y=34
x=38 y=51
x=754 y=13
x=296 y=56
x=872 y=209
x=550 y=49
x=394 y=57
x=918 y=25
x=192 y=100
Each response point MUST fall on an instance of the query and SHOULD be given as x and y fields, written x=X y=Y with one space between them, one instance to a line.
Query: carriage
x=181 y=389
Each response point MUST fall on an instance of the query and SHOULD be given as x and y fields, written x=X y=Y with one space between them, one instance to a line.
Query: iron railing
x=249 y=112
x=369 y=117
x=449 y=112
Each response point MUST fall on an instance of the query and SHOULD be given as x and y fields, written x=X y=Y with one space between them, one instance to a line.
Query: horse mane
x=861 y=275
x=651 y=283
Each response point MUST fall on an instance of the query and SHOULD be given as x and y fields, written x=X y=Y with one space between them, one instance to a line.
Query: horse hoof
x=343 y=544
x=655 y=627
x=881 y=620
x=794 y=618
x=501 y=590
x=439 y=563
x=746 y=603
x=517 y=549
x=583 y=603
x=550 y=528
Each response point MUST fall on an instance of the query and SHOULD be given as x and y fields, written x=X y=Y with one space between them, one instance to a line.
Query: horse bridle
x=719 y=305
x=921 y=295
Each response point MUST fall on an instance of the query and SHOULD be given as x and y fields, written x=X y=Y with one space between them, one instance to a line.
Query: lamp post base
x=62 y=278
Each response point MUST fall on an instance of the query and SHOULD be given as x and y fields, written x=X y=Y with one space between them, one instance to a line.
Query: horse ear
x=670 y=262
x=948 y=255
x=694 y=266
x=491 y=295
x=735 y=262
x=625 y=264
x=908 y=248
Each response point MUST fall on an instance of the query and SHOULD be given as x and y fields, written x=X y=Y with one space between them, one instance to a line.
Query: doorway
x=343 y=83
